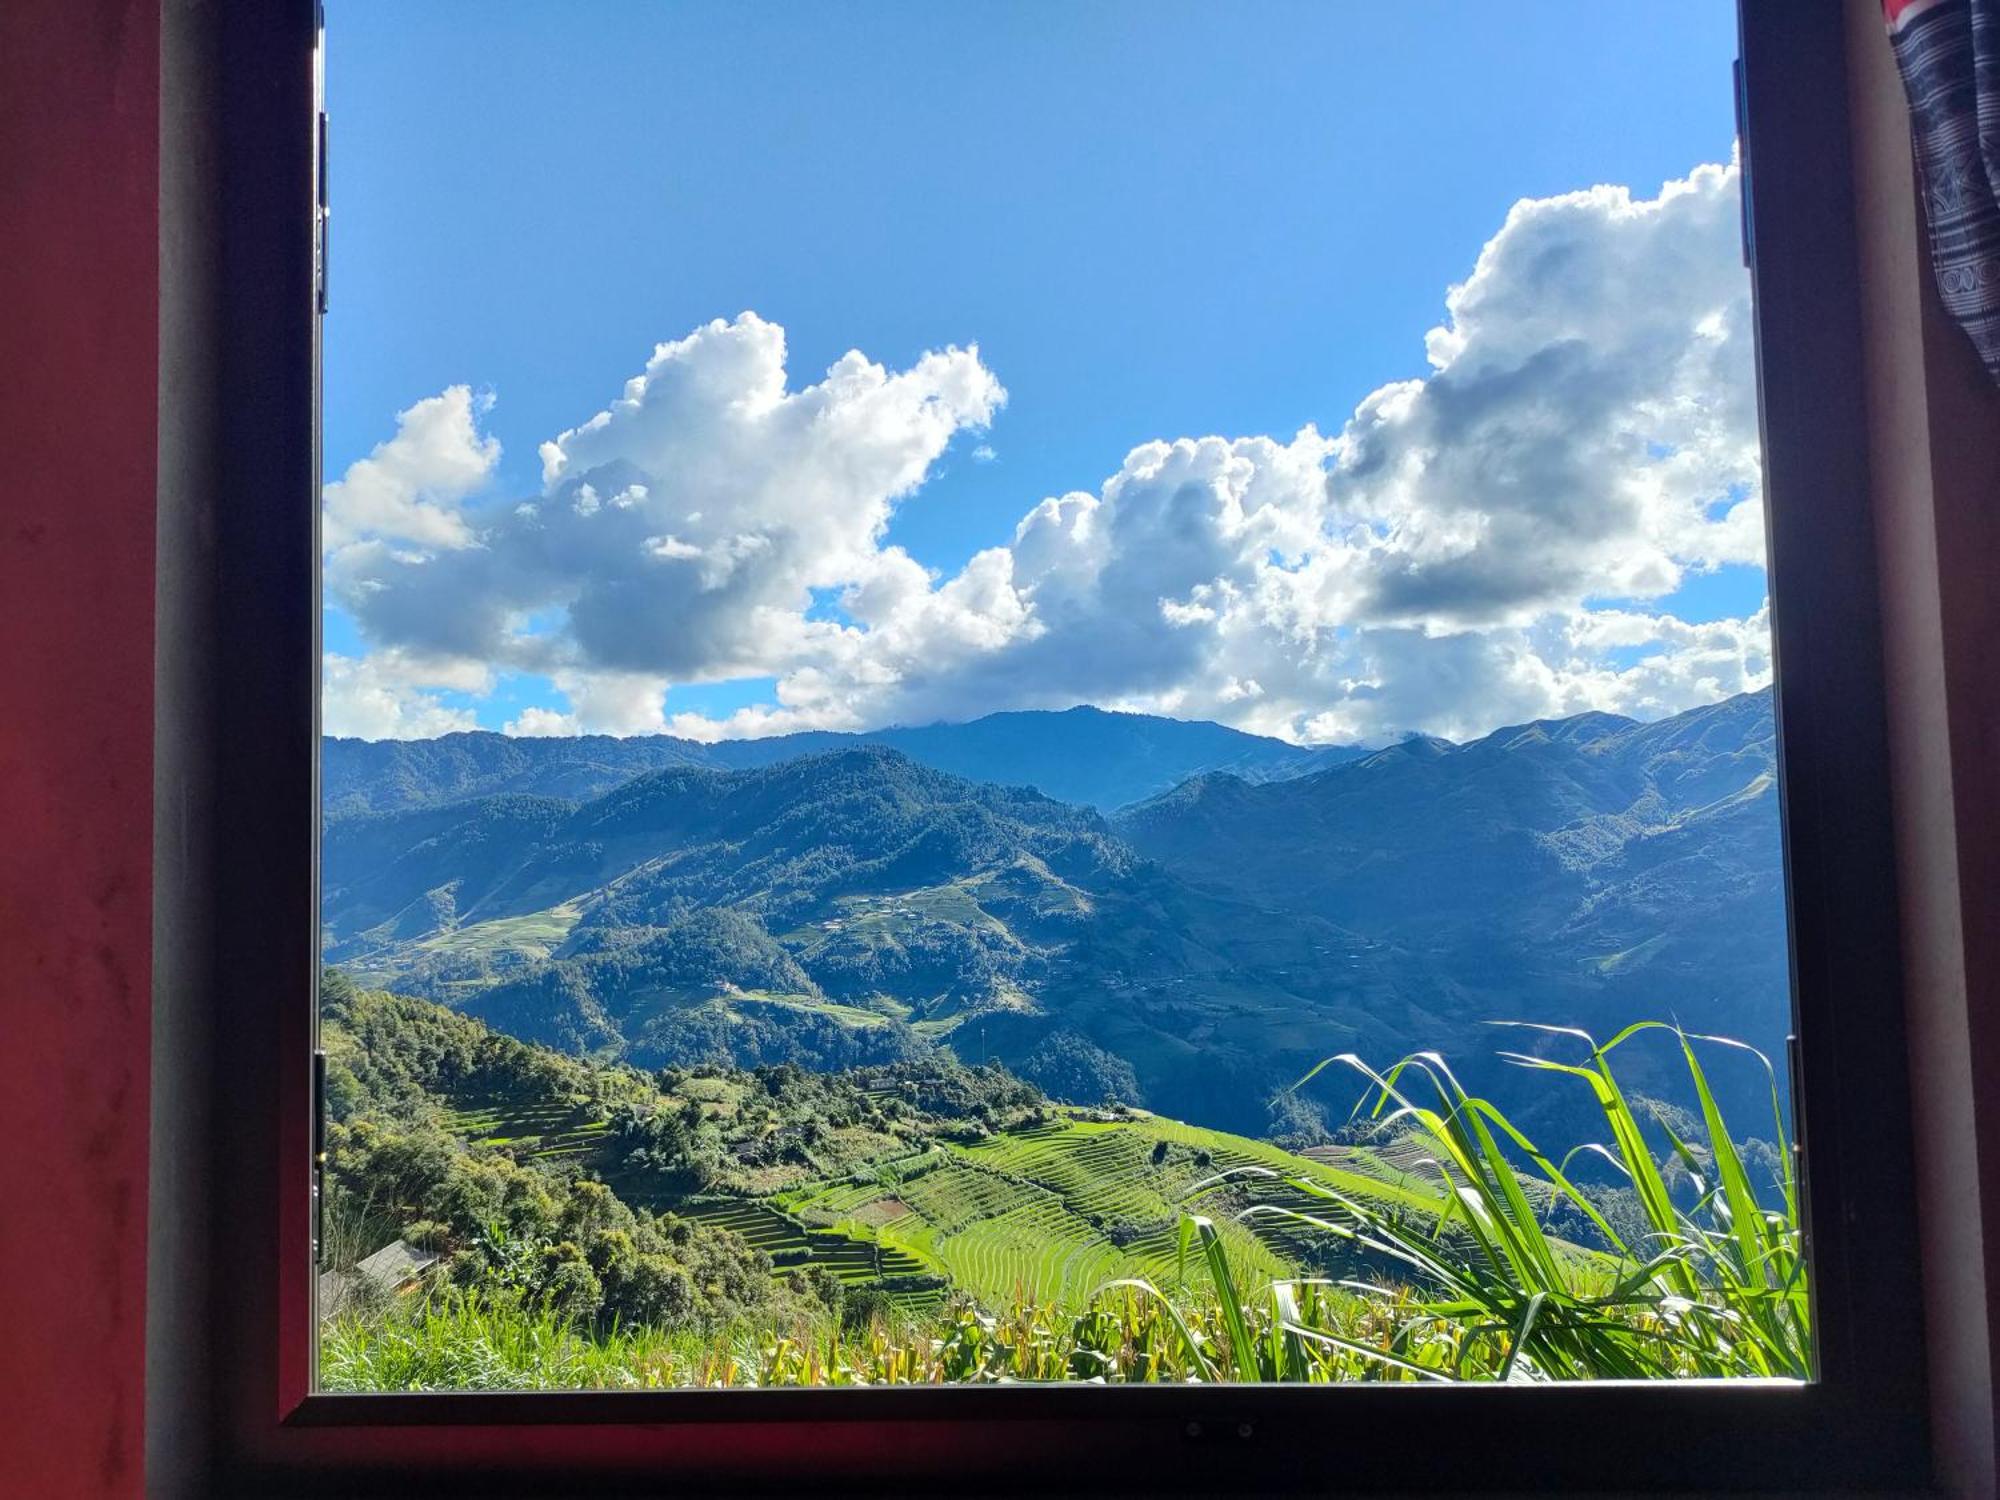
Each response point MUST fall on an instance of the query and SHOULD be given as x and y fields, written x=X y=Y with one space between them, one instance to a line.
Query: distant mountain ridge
x=853 y=906
x=1556 y=860
x=839 y=909
x=1084 y=755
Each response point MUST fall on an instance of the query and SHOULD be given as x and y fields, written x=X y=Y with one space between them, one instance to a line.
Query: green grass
x=1715 y=1288
x=472 y=1342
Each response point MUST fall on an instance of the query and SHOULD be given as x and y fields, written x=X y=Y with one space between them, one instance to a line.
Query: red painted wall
x=79 y=172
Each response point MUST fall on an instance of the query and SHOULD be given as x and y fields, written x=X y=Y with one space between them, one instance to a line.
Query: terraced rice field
x=1105 y=1181
x=534 y=935
x=792 y=1245
x=1027 y=1242
x=1057 y=1211
x=854 y=1016
x=539 y=1129
x=1050 y=1213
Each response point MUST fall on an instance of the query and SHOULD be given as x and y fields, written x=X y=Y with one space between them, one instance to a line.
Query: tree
x=1070 y=1067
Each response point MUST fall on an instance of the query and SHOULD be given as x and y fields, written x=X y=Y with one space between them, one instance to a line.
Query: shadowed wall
x=79 y=169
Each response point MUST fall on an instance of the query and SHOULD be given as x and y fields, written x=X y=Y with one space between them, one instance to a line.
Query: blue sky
x=1154 y=221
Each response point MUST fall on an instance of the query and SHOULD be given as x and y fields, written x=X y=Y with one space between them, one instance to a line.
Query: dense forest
x=583 y=1228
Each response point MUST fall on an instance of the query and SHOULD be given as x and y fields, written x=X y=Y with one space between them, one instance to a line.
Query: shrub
x=651 y=1290
x=1070 y=1067
x=865 y=1308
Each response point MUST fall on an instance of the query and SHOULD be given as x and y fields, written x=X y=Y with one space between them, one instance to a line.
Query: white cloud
x=733 y=500
x=1470 y=548
x=378 y=697
x=411 y=487
x=1590 y=405
x=542 y=723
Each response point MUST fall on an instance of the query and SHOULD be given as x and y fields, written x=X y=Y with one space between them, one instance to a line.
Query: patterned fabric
x=1948 y=52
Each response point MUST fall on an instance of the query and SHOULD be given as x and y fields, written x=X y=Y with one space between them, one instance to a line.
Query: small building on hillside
x=394 y=1269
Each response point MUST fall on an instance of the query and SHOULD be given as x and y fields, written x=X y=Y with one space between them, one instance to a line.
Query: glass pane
x=1031 y=693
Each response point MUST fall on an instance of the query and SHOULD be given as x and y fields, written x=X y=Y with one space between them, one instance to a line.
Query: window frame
x=239 y=596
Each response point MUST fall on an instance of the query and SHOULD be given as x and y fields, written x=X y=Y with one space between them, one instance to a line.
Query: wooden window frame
x=232 y=1330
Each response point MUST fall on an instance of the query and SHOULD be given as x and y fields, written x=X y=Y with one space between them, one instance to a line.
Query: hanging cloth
x=1948 y=52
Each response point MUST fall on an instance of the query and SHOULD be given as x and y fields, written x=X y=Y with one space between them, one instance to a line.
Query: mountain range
x=836 y=910
x=861 y=903
x=1084 y=755
x=1588 y=871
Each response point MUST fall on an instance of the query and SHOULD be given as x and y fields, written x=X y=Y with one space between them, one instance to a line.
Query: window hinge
x=322 y=216
x=1797 y=1081
x=319 y=1160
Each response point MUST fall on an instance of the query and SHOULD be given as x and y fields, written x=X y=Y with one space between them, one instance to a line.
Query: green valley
x=563 y=1224
x=914 y=1180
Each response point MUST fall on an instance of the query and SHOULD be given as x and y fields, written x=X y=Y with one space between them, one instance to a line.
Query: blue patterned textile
x=1948 y=52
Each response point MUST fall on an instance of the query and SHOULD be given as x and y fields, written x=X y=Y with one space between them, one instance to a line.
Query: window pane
x=1012 y=692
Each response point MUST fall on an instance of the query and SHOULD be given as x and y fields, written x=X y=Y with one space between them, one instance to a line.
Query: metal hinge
x=1795 y=1076
x=321 y=210
x=319 y=1160
x=322 y=219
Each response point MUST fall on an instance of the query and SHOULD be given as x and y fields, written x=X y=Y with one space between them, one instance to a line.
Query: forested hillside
x=1192 y=953
x=846 y=909
x=1589 y=869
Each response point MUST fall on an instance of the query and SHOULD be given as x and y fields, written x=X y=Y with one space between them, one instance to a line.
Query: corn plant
x=1715 y=1289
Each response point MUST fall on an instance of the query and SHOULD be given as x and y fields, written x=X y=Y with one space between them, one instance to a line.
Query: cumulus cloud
x=1481 y=545
x=384 y=695
x=1588 y=428
x=600 y=703
x=542 y=723
x=410 y=489
x=683 y=531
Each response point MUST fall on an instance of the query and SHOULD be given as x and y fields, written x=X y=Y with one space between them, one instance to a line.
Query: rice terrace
x=933 y=1222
